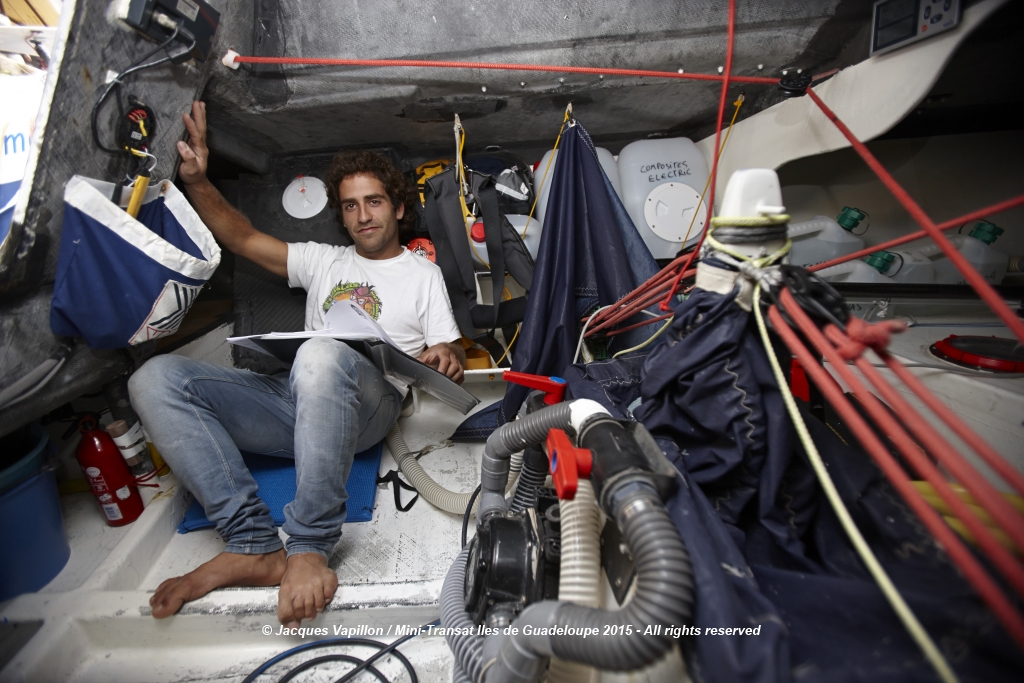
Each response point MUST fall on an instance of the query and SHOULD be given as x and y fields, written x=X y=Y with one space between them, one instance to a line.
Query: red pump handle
x=553 y=387
x=567 y=464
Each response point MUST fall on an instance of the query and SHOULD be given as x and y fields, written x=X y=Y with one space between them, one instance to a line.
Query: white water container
x=823 y=239
x=662 y=181
x=542 y=185
x=986 y=260
x=533 y=232
x=906 y=266
x=853 y=271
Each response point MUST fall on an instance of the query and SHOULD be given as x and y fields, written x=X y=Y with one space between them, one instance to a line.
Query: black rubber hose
x=533 y=476
x=467 y=513
x=316 y=661
x=664 y=593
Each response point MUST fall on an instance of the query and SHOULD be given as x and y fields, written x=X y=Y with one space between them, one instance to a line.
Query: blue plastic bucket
x=33 y=545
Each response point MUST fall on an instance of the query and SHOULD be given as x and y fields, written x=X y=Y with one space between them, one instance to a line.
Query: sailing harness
x=446 y=225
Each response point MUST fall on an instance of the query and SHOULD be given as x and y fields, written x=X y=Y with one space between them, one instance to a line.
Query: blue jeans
x=333 y=404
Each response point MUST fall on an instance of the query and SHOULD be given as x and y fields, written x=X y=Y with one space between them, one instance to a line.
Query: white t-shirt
x=405 y=294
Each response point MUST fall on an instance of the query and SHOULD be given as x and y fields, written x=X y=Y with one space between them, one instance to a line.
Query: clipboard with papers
x=347 y=322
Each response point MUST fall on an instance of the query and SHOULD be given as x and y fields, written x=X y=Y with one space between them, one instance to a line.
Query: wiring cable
x=648 y=341
x=384 y=649
x=583 y=333
x=137 y=66
x=885 y=584
x=469 y=511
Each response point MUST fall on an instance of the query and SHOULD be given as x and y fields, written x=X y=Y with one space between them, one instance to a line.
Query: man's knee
x=320 y=358
x=156 y=378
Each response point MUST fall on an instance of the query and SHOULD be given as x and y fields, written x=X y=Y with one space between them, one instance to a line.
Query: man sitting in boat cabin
x=332 y=404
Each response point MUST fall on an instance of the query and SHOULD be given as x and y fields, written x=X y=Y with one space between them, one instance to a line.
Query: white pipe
x=434 y=493
x=579 y=579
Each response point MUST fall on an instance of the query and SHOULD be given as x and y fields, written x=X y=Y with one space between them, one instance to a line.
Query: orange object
x=421 y=246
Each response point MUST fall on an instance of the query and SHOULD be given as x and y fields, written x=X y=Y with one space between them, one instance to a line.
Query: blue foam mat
x=276 y=479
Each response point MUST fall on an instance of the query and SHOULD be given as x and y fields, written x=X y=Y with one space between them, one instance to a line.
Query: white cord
x=579 y=346
x=903 y=611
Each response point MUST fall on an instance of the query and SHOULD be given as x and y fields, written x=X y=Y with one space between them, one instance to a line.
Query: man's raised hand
x=194 y=152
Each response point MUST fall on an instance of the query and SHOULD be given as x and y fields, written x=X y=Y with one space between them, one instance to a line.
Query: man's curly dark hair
x=399 y=189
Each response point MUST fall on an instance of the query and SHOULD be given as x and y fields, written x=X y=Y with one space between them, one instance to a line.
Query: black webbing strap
x=397 y=485
x=487 y=199
x=452 y=249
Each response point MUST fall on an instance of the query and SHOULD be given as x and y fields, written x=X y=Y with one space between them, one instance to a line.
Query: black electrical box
x=194 y=16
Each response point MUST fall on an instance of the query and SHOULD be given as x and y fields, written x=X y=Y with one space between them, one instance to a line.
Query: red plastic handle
x=567 y=464
x=553 y=387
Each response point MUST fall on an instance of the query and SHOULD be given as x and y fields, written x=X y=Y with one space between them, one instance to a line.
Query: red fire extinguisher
x=108 y=474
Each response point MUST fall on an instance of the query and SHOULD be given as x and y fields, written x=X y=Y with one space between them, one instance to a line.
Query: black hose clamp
x=794 y=84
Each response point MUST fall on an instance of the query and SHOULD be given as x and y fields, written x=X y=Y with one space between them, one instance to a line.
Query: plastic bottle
x=662 y=181
x=853 y=271
x=533 y=231
x=974 y=246
x=543 y=185
x=132 y=444
x=907 y=266
x=823 y=239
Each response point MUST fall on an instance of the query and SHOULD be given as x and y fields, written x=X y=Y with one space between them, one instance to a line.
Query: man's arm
x=448 y=358
x=228 y=225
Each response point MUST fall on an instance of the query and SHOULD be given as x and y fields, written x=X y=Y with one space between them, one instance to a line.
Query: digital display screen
x=895 y=21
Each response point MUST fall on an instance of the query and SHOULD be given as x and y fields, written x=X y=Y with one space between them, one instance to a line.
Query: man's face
x=369 y=216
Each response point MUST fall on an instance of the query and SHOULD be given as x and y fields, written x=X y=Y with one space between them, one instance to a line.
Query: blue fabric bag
x=120 y=280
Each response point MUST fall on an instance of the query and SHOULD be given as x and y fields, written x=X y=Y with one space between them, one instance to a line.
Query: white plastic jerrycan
x=823 y=239
x=662 y=181
x=853 y=271
x=909 y=266
x=975 y=248
x=542 y=185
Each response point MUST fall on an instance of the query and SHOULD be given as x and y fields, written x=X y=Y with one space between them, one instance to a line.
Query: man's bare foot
x=307 y=587
x=227 y=569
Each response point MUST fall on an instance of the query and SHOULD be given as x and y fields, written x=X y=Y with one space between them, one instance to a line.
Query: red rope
x=958 y=553
x=666 y=304
x=951 y=420
x=948 y=225
x=547 y=68
x=987 y=496
x=974 y=278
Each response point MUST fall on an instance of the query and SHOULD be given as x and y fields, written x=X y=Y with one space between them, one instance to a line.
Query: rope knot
x=861 y=336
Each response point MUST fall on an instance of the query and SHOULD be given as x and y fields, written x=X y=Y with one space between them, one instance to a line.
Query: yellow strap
x=537 y=188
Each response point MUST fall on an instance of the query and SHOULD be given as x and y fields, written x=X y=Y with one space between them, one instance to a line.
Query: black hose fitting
x=625 y=451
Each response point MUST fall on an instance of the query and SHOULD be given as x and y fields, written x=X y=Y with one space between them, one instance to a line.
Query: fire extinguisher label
x=123 y=493
x=112 y=512
x=92 y=471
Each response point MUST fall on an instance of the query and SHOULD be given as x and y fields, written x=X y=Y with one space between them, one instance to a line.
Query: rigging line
x=494 y=66
x=547 y=167
x=885 y=584
x=625 y=308
x=958 y=553
x=969 y=566
x=948 y=225
x=666 y=304
x=974 y=278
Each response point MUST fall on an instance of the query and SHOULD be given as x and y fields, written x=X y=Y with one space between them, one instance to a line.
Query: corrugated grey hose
x=531 y=478
x=467 y=647
x=510 y=438
x=664 y=592
x=434 y=493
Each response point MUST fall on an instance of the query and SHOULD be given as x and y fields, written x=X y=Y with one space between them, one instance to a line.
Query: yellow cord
x=649 y=340
x=738 y=103
x=536 y=195
x=750 y=221
x=509 y=345
x=903 y=611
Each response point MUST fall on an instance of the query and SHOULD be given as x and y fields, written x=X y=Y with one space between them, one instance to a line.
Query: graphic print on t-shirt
x=363 y=295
